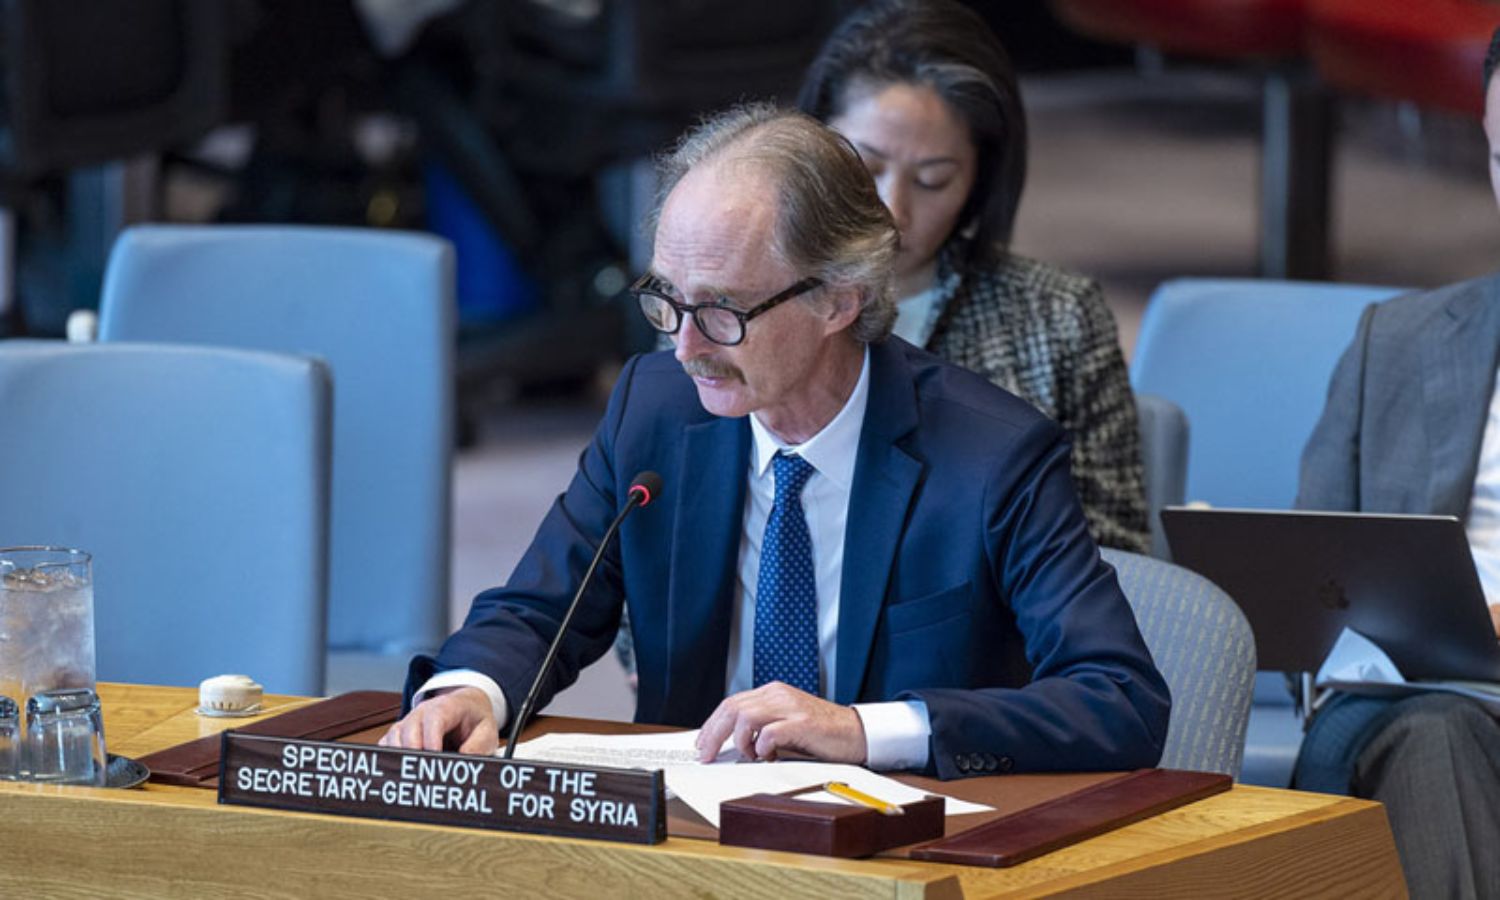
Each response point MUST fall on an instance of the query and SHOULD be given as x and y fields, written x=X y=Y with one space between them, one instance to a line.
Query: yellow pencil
x=840 y=789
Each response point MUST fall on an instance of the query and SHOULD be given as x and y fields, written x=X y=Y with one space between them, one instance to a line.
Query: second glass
x=64 y=740
x=10 y=740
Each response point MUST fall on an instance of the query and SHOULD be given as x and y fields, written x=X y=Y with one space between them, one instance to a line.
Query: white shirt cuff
x=455 y=678
x=896 y=734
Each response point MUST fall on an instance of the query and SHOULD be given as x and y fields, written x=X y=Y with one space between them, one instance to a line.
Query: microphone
x=644 y=488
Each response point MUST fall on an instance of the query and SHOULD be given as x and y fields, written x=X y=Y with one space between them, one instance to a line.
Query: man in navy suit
x=963 y=622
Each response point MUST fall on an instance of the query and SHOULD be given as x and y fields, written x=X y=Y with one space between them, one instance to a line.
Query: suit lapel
x=885 y=477
x=1458 y=357
x=705 y=554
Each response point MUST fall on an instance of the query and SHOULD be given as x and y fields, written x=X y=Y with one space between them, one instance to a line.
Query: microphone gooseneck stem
x=519 y=720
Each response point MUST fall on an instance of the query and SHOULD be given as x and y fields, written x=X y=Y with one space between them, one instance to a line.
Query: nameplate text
x=443 y=788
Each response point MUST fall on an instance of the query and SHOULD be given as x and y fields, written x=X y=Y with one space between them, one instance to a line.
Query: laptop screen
x=1405 y=582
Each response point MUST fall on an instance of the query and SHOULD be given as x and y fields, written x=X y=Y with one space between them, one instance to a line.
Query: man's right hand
x=459 y=716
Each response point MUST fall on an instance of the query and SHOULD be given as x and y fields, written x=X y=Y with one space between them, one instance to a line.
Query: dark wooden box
x=778 y=822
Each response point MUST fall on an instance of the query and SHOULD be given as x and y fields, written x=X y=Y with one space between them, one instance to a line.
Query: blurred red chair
x=1429 y=53
x=1296 y=135
x=1230 y=29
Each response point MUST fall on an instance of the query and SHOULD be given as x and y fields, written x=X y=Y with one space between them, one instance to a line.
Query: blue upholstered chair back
x=378 y=308
x=1202 y=645
x=198 y=479
x=1248 y=361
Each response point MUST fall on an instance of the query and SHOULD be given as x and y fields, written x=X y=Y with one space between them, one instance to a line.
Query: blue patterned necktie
x=786 y=595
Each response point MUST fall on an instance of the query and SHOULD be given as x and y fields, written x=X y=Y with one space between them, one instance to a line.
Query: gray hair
x=830 y=221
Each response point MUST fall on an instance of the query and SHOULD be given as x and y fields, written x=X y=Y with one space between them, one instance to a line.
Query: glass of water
x=65 y=738
x=10 y=739
x=46 y=621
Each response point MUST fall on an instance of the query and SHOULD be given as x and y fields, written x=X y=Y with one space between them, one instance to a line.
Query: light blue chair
x=1203 y=647
x=198 y=479
x=378 y=307
x=1248 y=361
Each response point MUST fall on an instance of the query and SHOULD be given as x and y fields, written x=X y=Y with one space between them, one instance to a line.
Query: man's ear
x=842 y=306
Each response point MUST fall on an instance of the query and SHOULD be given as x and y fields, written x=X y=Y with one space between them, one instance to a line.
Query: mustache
x=708 y=367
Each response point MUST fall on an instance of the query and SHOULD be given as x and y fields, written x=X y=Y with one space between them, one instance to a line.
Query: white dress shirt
x=1483 y=526
x=896 y=733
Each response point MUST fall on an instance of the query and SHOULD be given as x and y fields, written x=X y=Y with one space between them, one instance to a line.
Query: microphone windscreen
x=649 y=485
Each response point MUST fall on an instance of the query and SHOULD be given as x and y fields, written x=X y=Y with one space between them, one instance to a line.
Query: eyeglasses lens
x=719 y=325
x=658 y=312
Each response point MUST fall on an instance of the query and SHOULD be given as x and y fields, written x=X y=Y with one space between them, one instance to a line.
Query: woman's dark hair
x=948 y=47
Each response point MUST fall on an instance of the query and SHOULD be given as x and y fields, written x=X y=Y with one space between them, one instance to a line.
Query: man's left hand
x=776 y=718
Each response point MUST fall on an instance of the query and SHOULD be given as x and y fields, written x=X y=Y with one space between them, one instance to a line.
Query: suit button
x=976 y=762
x=989 y=762
x=1006 y=764
x=962 y=762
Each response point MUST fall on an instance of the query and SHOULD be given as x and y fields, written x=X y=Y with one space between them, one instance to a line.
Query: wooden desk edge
x=1361 y=861
x=1360 y=858
x=185 y=821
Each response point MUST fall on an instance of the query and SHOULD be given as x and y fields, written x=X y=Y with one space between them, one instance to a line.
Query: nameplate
x=443 y=788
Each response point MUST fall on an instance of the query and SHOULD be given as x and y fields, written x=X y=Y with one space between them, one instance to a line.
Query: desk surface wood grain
x=164 y=841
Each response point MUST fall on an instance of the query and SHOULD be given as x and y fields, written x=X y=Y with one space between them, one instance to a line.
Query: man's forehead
x=733 y=189
x=715 y=218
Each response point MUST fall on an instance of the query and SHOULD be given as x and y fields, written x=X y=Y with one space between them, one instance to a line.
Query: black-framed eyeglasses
x=719 y=322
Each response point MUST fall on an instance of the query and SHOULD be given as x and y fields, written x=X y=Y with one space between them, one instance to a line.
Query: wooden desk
x=164 y=841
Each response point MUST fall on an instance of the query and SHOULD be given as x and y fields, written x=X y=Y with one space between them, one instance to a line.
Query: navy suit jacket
x=970 y=581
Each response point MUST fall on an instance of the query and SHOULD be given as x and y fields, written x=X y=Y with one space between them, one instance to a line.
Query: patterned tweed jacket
x=1045 y=335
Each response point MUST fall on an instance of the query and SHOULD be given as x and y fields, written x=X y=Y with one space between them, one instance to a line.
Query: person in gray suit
x=1412 y=425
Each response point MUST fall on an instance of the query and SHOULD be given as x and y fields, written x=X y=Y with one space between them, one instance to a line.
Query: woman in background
x=926 y=93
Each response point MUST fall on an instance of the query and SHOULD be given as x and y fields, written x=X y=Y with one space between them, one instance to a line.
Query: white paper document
x=1358 y=666
x=622 y=751
x=704 y=787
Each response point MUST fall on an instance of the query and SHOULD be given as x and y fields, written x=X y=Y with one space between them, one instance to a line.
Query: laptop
x=1405 y=582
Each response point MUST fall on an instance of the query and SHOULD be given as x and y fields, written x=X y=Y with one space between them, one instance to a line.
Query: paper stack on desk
x=704 y=786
